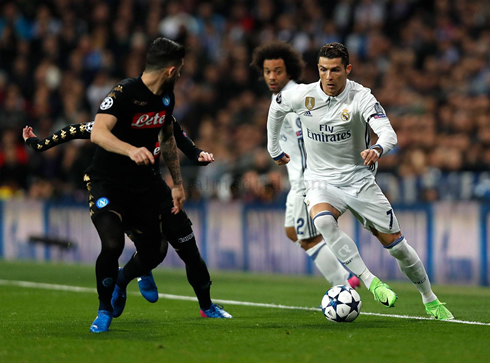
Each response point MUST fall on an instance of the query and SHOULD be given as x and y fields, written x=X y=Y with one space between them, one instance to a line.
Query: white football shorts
x=297 y=216
x=364 y=199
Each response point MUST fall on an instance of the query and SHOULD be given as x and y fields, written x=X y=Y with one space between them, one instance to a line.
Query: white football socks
x=328 y=264
x=413 y=268
x=342 y=246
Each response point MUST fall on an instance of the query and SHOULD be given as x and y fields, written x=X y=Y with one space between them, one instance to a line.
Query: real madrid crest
x=310 y=103
x=345 y=116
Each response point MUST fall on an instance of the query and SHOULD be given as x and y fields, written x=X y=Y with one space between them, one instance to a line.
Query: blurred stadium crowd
x=427 y=62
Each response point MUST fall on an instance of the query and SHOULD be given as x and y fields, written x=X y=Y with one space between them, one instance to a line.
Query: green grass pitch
x=48 y=325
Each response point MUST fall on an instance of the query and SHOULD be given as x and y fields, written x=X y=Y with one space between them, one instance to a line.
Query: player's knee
x=308 y=243
x=155 y=258
x=326 y=223
x=112 y=248
x=399 y=249
x=151 y=257
x=189 y=252
x=112 y=245
x=388 y=240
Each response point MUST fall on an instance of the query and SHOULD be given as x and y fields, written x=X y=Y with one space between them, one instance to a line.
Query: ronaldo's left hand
x=284 y=160
x=370 y=156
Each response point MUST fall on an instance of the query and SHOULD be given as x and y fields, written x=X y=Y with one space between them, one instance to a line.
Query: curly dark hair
x=279 y=50
x=334 y=50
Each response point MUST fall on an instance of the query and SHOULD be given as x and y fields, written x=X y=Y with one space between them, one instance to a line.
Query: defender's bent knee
x=188 y=252
x=308 y=243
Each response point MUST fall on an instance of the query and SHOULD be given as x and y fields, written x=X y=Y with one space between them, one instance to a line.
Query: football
x=341 y=304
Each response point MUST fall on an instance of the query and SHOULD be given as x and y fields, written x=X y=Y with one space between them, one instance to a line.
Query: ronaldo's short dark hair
x=334 y=50
x=162 y=53
x=279 y=50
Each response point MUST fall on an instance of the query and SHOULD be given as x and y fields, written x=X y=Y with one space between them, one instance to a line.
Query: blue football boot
x=101 y=322
x=215 y=311
x=148 y=288
x=118 y=301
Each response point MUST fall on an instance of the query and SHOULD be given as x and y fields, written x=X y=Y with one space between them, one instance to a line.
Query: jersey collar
x=325 y=98
x=150 y=93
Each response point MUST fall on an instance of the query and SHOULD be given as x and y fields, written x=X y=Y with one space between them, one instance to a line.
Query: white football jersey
x=291 y=141
x=335 y=130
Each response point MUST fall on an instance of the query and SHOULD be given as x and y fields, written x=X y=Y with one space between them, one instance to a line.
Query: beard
x=170 y=82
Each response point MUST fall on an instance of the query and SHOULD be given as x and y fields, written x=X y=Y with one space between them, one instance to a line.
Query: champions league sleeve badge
x=107 y=103
x=166 y=101
x=89 y=126
x=380 y=113
x=279 y=98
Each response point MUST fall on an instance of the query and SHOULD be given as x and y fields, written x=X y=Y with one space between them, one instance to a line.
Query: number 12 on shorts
x=390 y=213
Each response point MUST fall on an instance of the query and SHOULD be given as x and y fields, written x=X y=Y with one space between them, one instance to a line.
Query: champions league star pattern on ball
x=341 y=304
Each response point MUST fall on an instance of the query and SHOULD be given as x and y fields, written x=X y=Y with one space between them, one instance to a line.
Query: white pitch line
x=38 y=285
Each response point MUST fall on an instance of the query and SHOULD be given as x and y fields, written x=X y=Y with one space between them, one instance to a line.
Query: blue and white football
x=341 y=304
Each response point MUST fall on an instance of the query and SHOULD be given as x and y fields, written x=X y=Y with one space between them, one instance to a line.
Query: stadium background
x=427 y=62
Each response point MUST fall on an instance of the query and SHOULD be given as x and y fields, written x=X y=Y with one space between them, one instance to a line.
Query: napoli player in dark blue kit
x=178 y=227
x=124 y=191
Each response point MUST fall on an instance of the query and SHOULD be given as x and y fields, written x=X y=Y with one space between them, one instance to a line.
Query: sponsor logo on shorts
x=186 y=238
x=102 y=202
x=148 y=120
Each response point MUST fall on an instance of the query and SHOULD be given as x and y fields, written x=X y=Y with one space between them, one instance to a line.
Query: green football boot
x=437 y=310
x=383 y=293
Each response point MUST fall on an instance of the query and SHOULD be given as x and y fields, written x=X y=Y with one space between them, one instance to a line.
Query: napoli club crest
x=102 y=202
